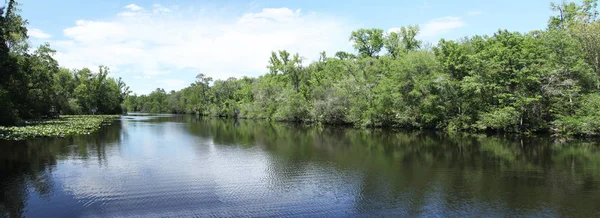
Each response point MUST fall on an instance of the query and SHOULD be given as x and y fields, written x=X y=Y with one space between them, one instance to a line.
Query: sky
x=165 y=44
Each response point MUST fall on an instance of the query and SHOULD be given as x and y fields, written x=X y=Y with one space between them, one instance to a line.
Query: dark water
x=185 y=166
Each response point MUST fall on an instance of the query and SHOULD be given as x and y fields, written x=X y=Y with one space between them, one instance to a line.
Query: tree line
x=32 y=84
x=540 y=81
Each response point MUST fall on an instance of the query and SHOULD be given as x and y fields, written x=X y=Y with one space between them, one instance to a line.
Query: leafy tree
x=540 y=81
x=393 y=44
x=32 y=83
x=368 y=42
x=402 y=41
x=570 y=13
x=409 y=35
x=344 y=55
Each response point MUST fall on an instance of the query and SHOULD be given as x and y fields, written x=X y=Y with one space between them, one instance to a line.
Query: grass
x=67 y=125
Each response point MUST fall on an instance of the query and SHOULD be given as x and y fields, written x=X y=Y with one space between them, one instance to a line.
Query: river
x=182 y=165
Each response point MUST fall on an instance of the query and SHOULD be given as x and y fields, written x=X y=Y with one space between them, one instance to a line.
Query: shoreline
x=66 y=125
x=556 y=137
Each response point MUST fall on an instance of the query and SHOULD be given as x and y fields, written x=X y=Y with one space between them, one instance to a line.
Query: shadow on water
x=226 y=167
x=27 y=166
x=425 y=171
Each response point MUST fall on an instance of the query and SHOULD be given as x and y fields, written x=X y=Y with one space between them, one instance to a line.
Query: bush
x=505 y=119
x=73 y=107
x=332 y=109
x=295 y=110
x=585 y=122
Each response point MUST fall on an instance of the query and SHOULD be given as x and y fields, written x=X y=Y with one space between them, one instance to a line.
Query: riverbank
x=64 y=126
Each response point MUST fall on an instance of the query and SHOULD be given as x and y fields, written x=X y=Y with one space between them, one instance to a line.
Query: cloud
x=441 y=25
x=474 y=13
x=169 y=41
x=133 y=7
x=157 y=8
x=435 y=27
x=393 y=29
x=171 y=84
x=37 y=33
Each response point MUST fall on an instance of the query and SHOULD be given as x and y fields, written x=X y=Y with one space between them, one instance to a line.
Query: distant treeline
x=32 y=84
x=541 y=81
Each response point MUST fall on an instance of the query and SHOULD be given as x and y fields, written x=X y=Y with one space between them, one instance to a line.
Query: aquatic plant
x=65 y=126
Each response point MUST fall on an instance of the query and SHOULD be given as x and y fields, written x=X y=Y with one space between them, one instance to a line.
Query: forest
x=543 y=81
x=32 y=83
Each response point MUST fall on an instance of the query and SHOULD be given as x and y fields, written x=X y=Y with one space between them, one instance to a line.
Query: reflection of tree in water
x=418 y=169
x=27 y=166
x=21 y=166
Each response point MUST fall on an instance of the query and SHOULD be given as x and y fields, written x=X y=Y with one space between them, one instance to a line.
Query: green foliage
x=500 y=119
x=585 y=121
x=368 y=42
x=295 y=109
x=32 y=83
x=402 y=41
x=73 y=107
x=541 y=81
x=65 y=126
x=333 y=107
x=570 y=13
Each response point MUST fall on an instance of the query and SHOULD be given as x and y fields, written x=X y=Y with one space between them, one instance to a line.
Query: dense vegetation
x=541 y=81
x=64 y=126
x=32 y=83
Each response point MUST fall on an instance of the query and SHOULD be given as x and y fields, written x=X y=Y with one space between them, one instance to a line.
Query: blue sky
x=165 y=44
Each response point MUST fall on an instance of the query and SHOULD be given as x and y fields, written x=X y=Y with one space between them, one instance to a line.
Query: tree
x=409 y=35
x=368 y=42
x=588 y=35
x=31 y=81
x=13 y=33
x=123 y=88
x=540 y=81
x=393 y=44
x=402 y=41
x=342 y=55
x=203 y=81
x=570 y=13
x=581 y=20
x=290 y=69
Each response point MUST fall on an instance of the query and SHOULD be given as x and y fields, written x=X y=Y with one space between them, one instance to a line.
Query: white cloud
x=441 y=25
x=37 y=33
x=393 y=29
x=171 y=84
x=157 y=8
x=133 y=7
x=180 y=44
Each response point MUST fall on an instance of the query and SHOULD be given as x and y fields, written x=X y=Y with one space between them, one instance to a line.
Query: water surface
x=164 y=165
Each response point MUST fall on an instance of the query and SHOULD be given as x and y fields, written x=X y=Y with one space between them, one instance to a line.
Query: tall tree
x=13 y=84
x=409 y=37
x=368 y=42
x=402 y=41
x=571 y=12
x=393 y=44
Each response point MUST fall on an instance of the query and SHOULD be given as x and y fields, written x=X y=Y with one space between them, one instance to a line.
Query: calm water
x=185 y=166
